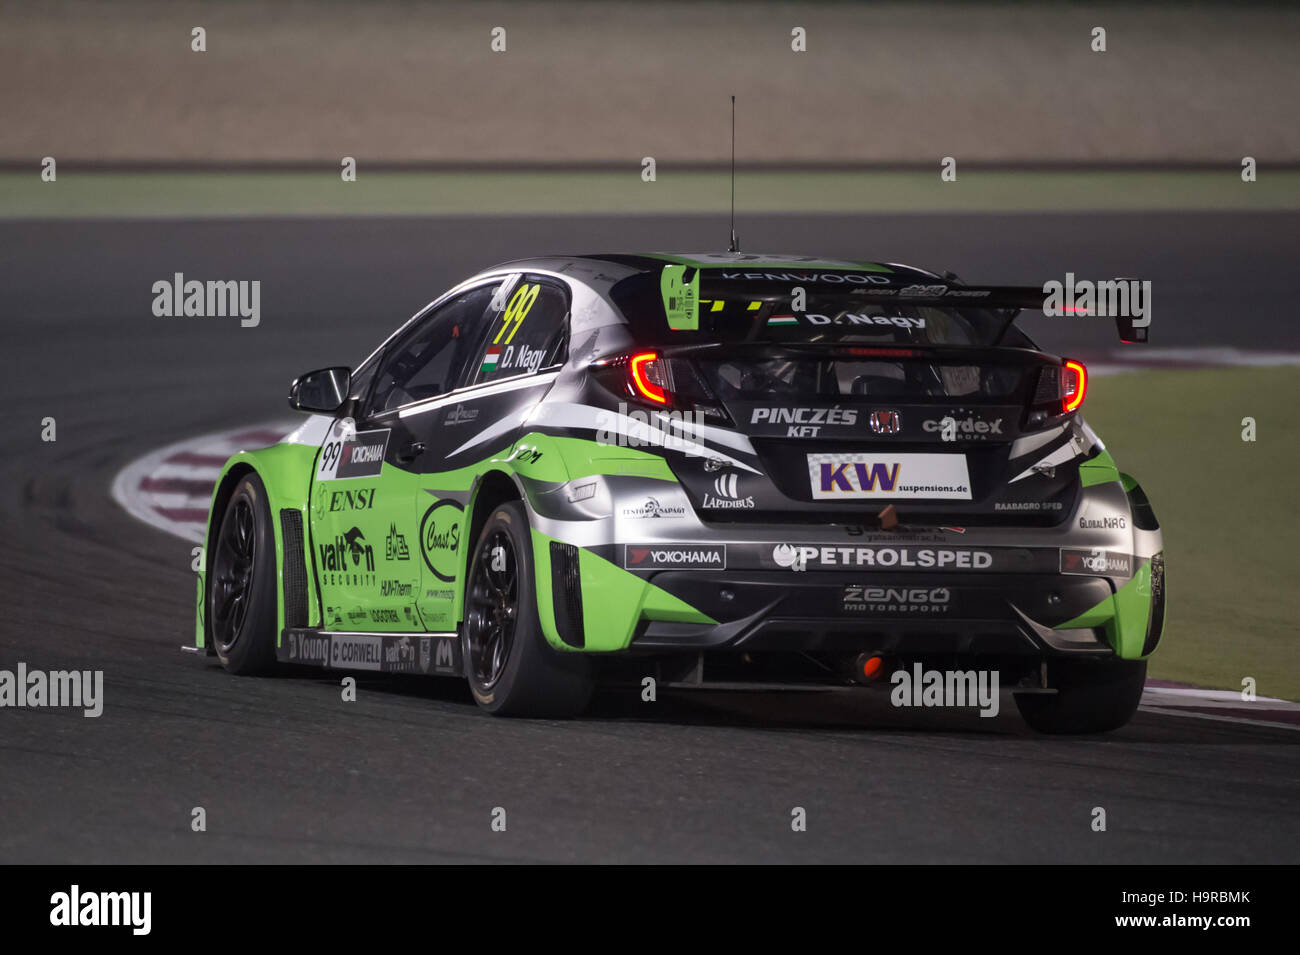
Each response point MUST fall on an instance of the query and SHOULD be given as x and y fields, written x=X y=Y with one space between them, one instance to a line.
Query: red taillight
x=1074 y=385
x=647 y=377
x=662 y=382
x=858 y=352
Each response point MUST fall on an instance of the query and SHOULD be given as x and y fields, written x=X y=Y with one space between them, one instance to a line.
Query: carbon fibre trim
x=1156 y=617
x=566 y=594
x=294 y=569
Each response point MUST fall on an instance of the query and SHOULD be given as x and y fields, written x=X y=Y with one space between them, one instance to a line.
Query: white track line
x=148 y=506
x=1193 y=715
x=1196 y=696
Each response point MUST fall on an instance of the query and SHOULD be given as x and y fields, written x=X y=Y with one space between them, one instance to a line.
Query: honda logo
x=884 y=422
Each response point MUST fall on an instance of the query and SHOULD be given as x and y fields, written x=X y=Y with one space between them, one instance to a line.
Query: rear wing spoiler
x=1013 y=300
x=1082 y=299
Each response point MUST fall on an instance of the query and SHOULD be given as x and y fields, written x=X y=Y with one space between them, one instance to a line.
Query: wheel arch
x=492 y=489
x=285 y=471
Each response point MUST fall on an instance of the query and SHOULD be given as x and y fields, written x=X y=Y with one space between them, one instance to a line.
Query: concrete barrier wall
x=614 y=82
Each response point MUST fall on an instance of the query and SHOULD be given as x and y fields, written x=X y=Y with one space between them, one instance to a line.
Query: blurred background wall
x=407 y=82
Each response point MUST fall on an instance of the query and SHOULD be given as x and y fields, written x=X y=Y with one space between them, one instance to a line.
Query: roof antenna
x=735 y=242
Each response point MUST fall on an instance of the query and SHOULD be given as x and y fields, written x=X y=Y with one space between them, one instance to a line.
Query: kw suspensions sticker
x=894 y=476
x=351 y=454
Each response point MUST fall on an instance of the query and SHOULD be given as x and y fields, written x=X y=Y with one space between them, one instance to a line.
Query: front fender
x=285 y=471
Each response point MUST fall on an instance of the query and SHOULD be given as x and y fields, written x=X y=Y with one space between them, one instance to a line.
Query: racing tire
x=511 y=669
x=1089 y=698
x=241 y=596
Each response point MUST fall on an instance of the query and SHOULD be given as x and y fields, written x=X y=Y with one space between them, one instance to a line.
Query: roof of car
x=791 y=266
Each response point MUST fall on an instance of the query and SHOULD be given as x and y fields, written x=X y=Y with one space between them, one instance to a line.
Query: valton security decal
x=892 y=476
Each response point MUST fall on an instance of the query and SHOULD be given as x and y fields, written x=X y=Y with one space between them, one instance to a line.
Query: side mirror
x=322 y=391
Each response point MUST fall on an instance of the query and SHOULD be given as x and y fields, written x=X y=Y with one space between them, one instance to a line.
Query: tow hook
x=868 y=668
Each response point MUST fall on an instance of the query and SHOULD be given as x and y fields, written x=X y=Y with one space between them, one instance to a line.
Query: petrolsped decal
x=672 y=556
x=807 y=556
x=440 y=538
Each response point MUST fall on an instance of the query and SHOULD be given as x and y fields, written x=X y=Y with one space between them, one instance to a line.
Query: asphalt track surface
x=411 y=772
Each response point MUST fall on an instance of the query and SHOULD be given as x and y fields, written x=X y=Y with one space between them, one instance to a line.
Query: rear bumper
x=1091 y=584
x=994 y=614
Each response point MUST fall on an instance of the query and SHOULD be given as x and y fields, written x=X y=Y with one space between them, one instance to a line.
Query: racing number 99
x=517 y=311
x=329 y=455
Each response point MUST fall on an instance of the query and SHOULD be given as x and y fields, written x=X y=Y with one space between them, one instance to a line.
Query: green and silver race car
x=709 y=470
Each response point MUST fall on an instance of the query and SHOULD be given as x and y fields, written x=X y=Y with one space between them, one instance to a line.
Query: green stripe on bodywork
x=614 y=598
x=579 y=458
x=1124 y=615
x=1100 y=469
x=614 y=601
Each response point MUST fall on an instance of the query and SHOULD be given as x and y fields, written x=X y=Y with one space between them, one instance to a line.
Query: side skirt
x=422 y=654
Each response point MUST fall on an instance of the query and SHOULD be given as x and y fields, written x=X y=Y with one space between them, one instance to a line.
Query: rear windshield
x=727 y=313
x=765 y=379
